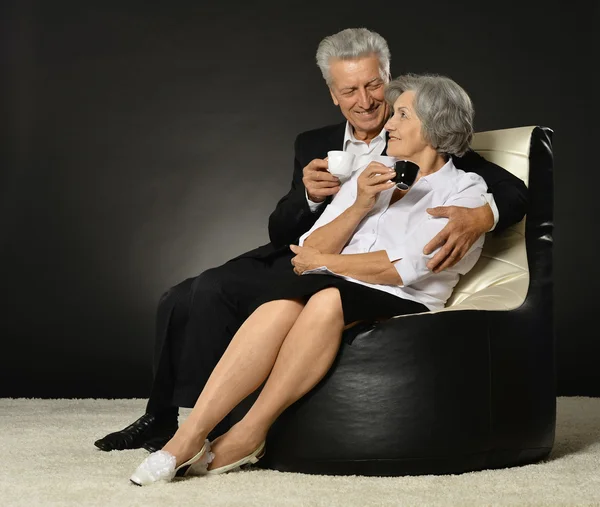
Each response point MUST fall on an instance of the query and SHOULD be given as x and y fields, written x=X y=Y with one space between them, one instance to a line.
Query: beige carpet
x=48 y=458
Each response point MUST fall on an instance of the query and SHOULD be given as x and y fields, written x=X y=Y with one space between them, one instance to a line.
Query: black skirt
x=358 y=302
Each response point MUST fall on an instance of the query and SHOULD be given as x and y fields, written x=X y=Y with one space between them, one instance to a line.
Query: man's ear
x=333 y=97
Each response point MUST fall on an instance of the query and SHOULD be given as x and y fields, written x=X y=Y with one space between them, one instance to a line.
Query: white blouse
x=403 y=229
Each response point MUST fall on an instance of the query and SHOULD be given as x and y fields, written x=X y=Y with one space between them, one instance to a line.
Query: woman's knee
x=327 y=302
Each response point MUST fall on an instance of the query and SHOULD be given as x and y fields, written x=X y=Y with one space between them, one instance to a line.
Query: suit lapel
x=337 y=137
x=387 y=137
x=335 y=141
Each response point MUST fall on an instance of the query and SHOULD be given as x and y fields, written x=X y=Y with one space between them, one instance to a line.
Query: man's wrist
x=487 y=218
x=315 y=200
x=313 y=205
x=489 y=199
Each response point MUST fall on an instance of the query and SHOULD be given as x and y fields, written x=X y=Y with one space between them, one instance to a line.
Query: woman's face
x=404 y=127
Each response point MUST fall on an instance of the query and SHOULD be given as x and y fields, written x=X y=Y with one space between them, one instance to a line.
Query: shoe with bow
x=161 y=466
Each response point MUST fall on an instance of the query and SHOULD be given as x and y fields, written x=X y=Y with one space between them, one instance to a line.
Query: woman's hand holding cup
x=372 y=181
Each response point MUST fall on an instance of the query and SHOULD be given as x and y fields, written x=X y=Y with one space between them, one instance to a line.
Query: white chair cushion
x=500 y=279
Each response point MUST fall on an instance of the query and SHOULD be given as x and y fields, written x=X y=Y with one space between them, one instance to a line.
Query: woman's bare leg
x=244 y=366
x=306 y=355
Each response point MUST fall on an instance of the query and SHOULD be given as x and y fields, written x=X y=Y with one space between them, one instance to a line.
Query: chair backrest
x=500 y=279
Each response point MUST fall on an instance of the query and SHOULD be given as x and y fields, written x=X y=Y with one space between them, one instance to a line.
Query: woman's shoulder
x=461 y=184
x=463 y=181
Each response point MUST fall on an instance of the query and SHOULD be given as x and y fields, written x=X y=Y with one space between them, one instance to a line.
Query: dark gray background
x=146 y=142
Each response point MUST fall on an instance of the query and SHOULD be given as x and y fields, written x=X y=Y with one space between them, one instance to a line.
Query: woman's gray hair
x=353 y=43
x=444 y=108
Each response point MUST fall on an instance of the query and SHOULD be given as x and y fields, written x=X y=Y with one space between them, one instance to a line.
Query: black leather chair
x=466 y=388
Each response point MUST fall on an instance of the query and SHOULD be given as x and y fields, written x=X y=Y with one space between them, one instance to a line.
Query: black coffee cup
x=406 y=174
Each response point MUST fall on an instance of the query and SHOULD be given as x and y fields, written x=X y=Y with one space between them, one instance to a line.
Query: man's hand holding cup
x=318 y=181
x=323 y=178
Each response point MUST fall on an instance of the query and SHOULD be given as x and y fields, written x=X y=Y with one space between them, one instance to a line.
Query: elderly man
x=197 y=318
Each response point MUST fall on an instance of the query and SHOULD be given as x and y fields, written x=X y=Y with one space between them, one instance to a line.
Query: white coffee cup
x=340 y=164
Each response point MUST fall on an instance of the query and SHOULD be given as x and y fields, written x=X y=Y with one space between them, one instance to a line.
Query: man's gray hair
x=353 y=43
x=444 y=108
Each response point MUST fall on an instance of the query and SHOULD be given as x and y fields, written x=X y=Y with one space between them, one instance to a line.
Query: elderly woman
x=362 y=260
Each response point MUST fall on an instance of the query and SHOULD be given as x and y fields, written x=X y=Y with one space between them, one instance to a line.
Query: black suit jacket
x=292 y=216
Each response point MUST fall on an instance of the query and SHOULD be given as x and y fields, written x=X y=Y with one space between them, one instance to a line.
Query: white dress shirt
x=403 y=229
x=366 y=153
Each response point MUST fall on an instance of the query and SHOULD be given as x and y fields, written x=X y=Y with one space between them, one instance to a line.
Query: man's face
x=357 y=87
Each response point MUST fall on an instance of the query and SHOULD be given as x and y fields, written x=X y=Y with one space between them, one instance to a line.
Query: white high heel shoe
x=251 y=458
x=160 y=466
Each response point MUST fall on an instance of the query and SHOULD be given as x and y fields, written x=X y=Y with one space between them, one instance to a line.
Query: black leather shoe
x=134 y=436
